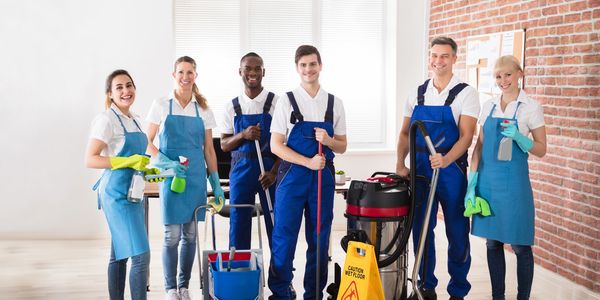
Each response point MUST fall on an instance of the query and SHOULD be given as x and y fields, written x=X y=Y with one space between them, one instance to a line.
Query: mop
x=262 y=171
x=319 y=178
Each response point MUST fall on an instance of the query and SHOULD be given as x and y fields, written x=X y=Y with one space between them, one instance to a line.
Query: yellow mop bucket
x=360 y=276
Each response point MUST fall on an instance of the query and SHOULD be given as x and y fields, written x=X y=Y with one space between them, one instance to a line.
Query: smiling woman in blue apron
x=502 y=179
x=184 y=124
x=117 y=144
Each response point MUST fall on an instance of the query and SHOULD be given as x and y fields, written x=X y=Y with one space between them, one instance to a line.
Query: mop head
x=216 y=203
x=480 y=206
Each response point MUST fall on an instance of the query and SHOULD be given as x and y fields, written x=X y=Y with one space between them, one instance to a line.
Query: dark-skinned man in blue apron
x=449 y=110
x=304 y=118
x=247 y=119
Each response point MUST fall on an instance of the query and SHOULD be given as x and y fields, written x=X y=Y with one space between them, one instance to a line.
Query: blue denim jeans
x=497 y=268
x=138 y=277
x=174 y=233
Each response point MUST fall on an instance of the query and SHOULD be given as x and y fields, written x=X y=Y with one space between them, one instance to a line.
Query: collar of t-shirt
x=432 y=89
x=257 y=103
x=172 y=96
x=121 y=114
x=305 y=94
x=521 y=98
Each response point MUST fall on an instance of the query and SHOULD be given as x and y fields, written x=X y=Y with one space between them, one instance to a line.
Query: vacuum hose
x=433 y=185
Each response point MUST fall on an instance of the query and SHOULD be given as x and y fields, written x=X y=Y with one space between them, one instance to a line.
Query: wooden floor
x=57 y=269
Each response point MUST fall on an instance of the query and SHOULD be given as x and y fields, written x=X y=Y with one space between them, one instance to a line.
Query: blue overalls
x=125 y=219
x=506 y=187
x=245 y=170
x=184 y=135
x=297 y=193
x=450 y=192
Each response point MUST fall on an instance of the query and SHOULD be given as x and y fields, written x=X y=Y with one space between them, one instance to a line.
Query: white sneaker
x=172 y=295
x=184 y=294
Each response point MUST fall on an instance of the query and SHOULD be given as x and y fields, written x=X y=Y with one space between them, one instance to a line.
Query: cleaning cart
x=230 y=274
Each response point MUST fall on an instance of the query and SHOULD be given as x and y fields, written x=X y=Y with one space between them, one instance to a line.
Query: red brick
x=592 y=80
x=574 y=81
x=578 y=6
x=554 y=20
x=573 y=18
x=566 y=29
x=549 y=11
x=572 y=60
x=591 y=59
x=583 y=27
x=583 y=49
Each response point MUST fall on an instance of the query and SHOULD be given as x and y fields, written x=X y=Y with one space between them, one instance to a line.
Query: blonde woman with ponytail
x=184 y=123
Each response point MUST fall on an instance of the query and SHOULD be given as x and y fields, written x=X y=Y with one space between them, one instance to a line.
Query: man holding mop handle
x=304 y=119
x=246 y=124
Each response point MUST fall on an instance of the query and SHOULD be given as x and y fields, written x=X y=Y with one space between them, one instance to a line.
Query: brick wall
x=562 y=72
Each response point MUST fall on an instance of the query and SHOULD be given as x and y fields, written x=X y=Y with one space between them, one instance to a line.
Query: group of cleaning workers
x=283 y=146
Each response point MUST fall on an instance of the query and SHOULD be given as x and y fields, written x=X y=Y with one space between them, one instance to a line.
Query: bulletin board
x=482 y=52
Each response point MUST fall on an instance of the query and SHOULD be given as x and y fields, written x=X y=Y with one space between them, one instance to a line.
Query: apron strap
x=329 y=111
x=296 y=115
x=454 y=92
x=171 y=106
x=121 y=121
x=236 y=106
x=196 y=108
x=268 y=103
x=516 y=109
x=421 y=92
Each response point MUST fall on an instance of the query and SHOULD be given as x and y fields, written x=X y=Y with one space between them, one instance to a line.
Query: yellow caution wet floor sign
x=360 y=276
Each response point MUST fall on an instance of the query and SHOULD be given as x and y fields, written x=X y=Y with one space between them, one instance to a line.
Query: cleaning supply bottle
x=136 y=188
x=505 y=146
x=178 y=183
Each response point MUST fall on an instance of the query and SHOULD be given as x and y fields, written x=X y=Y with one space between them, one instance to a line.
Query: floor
x=65 y=269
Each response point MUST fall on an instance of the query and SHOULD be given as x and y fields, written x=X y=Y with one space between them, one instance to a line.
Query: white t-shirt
x=107 y=128
x=160 y=110
x=465 y=103
x=312 y=109
x=529 y=116
x=248 y=106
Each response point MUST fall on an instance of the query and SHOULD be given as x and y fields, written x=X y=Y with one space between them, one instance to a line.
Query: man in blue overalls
x=247 y=119
x=449 y=110
x=304 y=118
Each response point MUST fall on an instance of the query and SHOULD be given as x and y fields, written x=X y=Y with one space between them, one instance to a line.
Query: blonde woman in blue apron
x=184 y=124
x=505 y=184
x=117 y=144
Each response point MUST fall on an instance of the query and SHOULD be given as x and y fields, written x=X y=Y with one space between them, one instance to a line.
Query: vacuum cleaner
x=380 y=211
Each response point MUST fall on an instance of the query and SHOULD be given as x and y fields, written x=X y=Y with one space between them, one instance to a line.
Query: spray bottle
x=178 y=183
x=505 y=146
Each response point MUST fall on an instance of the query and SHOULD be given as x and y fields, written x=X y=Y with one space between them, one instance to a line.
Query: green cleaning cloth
x=483 y=205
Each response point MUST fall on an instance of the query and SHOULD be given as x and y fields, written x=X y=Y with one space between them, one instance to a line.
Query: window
x=356 y=39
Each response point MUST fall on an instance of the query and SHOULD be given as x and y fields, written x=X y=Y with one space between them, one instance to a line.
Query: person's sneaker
x=184 y=294
x=172 y=295
x=427 y=295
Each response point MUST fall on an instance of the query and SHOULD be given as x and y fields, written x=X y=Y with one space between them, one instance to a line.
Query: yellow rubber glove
x=136 y=162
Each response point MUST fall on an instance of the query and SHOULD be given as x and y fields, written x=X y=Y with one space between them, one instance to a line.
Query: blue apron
x=506 y=186
x=125 y=219
x=297 y=194
x=245 y=170
x=184 y=136
x=450 y=191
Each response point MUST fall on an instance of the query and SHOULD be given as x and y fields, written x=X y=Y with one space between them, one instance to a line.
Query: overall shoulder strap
x=236 y=106
x=268 y=103
x=329 y=111
x=421 y=92
x=296 y=115
x=454 y=92
x=121 y=121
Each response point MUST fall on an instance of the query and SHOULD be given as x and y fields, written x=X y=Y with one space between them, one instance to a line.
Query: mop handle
x=319 y=179
x=262 y=171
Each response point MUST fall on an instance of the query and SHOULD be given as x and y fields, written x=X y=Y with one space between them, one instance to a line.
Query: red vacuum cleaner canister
x=382 y=198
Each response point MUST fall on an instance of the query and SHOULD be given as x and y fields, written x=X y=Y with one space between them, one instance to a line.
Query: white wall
x=54 y=59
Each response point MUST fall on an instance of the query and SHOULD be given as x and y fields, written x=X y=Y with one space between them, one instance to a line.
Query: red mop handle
x=319 y=181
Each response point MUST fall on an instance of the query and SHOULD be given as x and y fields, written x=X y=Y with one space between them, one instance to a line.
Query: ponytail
x=201 y=100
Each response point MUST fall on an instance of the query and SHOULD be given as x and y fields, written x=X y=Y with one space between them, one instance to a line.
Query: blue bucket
x=240 y=283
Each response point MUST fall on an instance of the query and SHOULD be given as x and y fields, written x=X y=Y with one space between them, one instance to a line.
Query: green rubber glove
x=136 y=162
x=511 y=131
x=218 y=192
x=470 y=203
x=153 y=171
x=484 y=205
